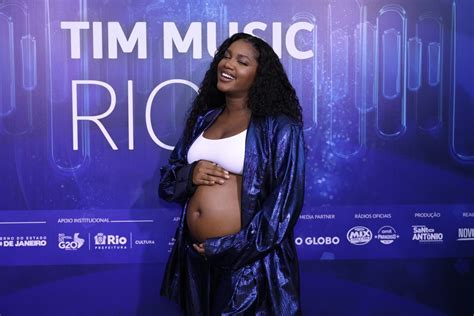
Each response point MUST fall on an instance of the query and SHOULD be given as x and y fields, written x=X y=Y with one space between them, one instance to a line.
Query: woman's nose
x=229 y=63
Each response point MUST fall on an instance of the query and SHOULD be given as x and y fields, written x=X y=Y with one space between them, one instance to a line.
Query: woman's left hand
x=199 y=248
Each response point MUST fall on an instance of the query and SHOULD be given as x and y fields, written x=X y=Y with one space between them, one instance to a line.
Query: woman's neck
x=236 y=106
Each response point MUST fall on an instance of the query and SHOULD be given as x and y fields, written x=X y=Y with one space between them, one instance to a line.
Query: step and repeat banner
x=94 y=93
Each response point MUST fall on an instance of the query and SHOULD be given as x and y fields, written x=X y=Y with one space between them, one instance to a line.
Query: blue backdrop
x=93 y=95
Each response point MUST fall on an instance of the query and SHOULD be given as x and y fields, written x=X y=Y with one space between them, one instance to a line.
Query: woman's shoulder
x=275 y=128
x=282 y=122
x=208 y=115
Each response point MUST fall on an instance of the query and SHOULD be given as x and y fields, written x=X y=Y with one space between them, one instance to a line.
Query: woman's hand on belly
x=200 y=248
x=209 y=173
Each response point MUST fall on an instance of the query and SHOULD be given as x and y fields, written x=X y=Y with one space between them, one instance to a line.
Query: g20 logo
x=70 y=243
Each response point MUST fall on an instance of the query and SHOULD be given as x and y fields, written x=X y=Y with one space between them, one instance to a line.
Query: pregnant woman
x=238 y=172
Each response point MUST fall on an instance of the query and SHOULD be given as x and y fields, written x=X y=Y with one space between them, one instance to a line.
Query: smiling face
x=237 y=69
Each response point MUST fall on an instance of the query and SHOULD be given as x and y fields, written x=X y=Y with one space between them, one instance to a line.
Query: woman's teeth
x=227 y=76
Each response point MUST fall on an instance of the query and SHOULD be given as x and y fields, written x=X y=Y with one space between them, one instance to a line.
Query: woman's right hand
x=209 y=173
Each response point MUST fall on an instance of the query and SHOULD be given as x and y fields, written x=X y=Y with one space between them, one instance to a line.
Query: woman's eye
x=242 y=63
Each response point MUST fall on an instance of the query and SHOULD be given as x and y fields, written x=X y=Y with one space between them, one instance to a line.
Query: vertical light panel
x=365 y=37
x=18 y=69
x=391 y=63
x=429 y=95
x=434 y=63
x=391 y=70
x=61 y=70
x=168 y=121
x=339 y=64
x=116 y=70
x=414 y=63
x=303 y=74
x=28 y=58
x=347 y=135
x=462 y=76
x=7 y=66
x=17 y=111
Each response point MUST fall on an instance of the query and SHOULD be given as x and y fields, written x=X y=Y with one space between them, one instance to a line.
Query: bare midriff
x=214 y=210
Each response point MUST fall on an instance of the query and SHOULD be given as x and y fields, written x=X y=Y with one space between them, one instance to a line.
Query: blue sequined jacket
x=261 y=259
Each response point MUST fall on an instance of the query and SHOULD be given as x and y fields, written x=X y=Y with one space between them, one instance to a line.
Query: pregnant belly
x=214 y=211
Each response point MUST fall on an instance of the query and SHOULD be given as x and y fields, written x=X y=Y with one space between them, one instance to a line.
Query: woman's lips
x=226 y=77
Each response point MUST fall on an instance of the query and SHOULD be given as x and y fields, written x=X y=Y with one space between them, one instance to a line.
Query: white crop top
x=228 y=152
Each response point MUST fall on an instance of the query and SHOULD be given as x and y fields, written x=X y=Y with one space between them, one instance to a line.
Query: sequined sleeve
x=176 y=177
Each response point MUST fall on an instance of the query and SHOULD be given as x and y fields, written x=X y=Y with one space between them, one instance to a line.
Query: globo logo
x=317 y=241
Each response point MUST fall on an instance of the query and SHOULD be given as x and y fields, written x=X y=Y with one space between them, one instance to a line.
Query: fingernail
x=221 y=181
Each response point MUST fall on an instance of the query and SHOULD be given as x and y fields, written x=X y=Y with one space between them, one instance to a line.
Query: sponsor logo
x=386 y=235
x=465 y=234
x=317 y=241
x=359 y=235
x=103 y=241
x=70 y=242
x=424 y=234
x=23 y=241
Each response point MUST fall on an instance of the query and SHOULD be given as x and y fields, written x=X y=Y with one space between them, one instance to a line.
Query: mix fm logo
x=359 y=235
